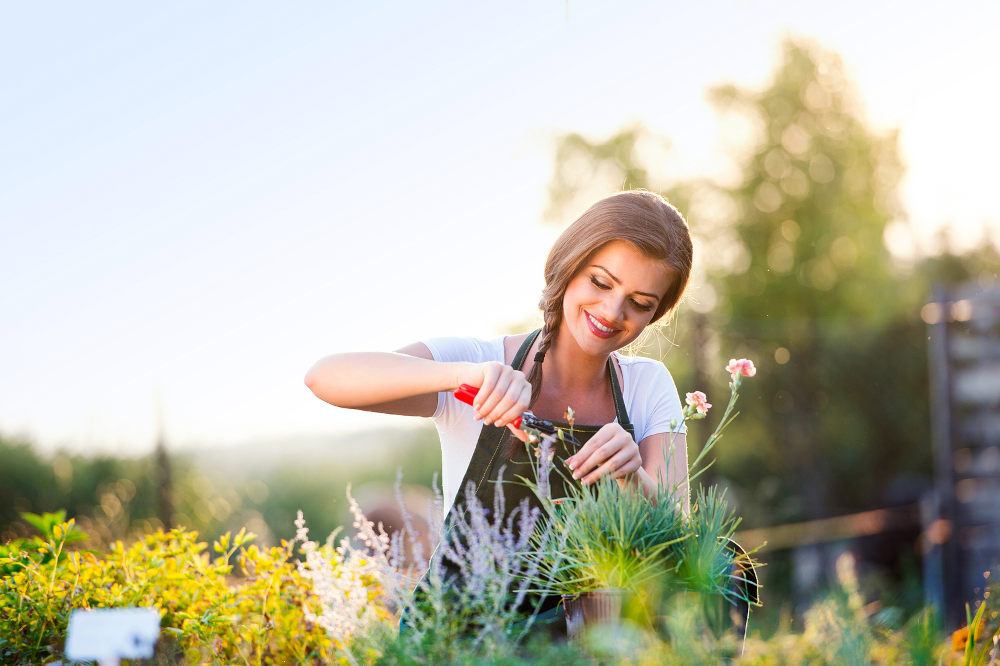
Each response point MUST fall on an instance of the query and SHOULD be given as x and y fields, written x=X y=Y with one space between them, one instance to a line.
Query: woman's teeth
x=599 y=326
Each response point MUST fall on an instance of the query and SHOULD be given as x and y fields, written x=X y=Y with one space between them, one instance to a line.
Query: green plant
x=611 y=535
x=607 y=537
x=209 y=612
x=53 y=527
x=978 y=643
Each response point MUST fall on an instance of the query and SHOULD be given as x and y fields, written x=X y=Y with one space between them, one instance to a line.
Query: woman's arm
x=665 y=463
x=407 y=382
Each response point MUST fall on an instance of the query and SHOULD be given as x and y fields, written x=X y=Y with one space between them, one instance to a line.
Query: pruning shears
x=466 y=393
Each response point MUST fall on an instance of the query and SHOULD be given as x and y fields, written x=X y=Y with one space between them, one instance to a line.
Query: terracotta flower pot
x=590 y=608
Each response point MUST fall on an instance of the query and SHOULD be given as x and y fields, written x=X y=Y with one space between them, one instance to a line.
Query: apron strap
x=619 y=398
x=522 y=351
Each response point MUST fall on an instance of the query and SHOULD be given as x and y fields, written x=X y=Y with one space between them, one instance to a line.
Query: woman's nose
x=614 y=308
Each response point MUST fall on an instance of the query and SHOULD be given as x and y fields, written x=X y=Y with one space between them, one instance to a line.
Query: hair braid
x=552 y=317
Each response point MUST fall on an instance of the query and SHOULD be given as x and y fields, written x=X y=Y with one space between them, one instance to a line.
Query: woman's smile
x=601 y=328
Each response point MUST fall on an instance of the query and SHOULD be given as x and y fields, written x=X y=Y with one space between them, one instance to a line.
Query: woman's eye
x=599 y=284
x=643 y=306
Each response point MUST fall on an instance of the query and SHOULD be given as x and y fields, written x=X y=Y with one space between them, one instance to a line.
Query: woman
x=621 y=266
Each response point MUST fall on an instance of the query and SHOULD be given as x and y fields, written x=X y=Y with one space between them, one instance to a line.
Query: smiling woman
x=618 y=268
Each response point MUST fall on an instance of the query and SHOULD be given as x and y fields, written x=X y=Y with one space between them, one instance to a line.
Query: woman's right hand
x=504 y=393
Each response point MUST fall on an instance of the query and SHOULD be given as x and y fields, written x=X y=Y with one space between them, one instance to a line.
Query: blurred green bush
x=114 y=498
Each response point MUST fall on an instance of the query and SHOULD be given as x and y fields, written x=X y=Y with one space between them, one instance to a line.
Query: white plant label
x=110 y=634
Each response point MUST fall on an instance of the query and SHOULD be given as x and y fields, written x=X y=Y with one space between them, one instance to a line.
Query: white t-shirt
x=649 y=392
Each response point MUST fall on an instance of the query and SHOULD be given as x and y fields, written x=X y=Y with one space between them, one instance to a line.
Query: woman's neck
x=573 y=379
x=571 y=370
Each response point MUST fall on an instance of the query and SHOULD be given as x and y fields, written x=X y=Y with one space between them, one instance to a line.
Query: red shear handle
x=467 y=393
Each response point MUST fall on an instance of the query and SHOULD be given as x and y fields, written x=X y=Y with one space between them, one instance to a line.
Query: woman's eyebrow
x=617 y=281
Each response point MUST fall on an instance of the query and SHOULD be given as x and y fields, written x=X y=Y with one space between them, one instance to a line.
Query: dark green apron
x=490 y=457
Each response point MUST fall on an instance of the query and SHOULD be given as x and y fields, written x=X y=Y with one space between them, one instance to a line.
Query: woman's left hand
x=610 y=451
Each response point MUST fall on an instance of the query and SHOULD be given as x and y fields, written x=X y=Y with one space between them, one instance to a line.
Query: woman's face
x=613 y=298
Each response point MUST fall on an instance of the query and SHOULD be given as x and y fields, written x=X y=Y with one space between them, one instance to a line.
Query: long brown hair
x=641 y=218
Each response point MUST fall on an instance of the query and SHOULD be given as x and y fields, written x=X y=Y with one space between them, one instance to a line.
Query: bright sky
x=197 y=200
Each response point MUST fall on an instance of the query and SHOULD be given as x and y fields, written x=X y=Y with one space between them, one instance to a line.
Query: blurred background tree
x=213 y=492
x=810 y=293
x=796 y=275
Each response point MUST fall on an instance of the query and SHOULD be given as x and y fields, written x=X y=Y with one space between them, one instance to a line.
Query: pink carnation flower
x=741 y=367
x=699 y=401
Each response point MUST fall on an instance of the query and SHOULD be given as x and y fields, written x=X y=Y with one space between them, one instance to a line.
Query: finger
x=616 y=439
x=518 y=403
x=513 y=402
x=630 y=467
x=599 y=439
x=490 y=375
x=520 y=434
x=499 y=393
x=596 y=458
x=631 y=463
x=493 y=374
x=509 y=406
x=620 y=461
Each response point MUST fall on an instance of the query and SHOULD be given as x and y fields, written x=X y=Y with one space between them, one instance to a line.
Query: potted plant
x=609 y=548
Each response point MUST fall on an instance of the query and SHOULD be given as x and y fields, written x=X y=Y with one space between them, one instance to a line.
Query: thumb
x=520 y=434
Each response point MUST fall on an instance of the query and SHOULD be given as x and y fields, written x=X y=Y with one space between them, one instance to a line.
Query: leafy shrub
x=208 y=613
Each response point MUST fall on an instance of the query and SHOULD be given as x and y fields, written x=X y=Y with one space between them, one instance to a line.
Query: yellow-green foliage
x=208 y=613
x=260 y=612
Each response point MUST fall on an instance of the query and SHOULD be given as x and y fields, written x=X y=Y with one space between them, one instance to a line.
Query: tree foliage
x=812 y=296
x=804 y=284
x=115 y=498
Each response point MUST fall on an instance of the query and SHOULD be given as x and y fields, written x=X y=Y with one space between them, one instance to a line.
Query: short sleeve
x=651 y=397
x=666 y=413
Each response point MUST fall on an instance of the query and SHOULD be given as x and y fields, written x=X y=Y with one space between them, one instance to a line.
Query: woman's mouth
x=599 y=328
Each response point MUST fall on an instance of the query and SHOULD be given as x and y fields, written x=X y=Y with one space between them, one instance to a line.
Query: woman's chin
x=595 y=345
